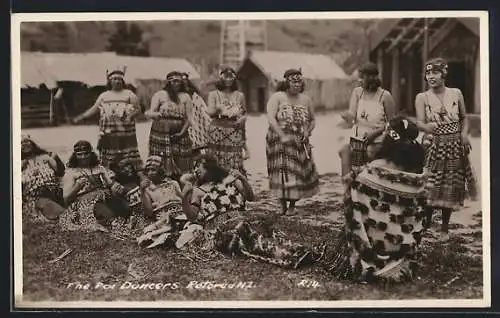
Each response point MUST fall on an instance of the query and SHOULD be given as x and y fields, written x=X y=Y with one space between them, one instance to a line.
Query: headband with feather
x=117 y=71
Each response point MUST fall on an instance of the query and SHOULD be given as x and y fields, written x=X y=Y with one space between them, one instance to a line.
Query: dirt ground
x=111 y=269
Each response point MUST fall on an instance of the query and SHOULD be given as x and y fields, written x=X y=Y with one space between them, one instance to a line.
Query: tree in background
x=47 y=37
x=128 y=40
x=356 y=42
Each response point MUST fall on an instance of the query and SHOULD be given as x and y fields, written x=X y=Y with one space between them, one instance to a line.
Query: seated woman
x=89 y=190
x=130 y=178
x=191 y=178
x=40 y=182
x=217 y=202
x=162 y=203
x=383 y=217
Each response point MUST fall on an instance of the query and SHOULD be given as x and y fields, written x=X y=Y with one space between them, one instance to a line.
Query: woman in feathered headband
x=290 y=165
x=226 y=133
x=171 y=111
x=442 y=117
x=118 y=108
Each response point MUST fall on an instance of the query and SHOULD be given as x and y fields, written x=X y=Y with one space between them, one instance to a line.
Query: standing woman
x=118 y=108
x=441 y=115
x=226 y=134
x=370 y=109
x=291 y=168
x=198 y=130
x=171 y=114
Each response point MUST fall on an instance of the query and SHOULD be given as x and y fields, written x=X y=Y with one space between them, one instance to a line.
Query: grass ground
x=451 y=270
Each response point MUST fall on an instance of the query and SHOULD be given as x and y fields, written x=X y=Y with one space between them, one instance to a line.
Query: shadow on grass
x=446 y=271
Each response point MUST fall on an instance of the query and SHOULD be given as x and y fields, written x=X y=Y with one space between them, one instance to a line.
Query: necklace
x=440 y=97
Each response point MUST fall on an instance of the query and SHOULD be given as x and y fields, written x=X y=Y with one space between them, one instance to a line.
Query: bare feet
x=291 y=211
x=444 y=237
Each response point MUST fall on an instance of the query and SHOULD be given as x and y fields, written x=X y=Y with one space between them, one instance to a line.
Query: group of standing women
x=181 y=122
x=392 y=182
x=442 y=120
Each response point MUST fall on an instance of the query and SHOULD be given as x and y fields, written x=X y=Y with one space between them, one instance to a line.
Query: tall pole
x=222 y=44
x=242 y=41
x=425 y=48
x=51 y=107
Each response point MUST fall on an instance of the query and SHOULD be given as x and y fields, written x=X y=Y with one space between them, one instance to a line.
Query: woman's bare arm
x=243 y=185
x=312 y=123
x=153 y=111
x=136 y=107
x=190 y=210
x=389 y=105
x=94 y=109
x=188 y=103
x=70 y=188
x=212 y=103
x=420 y=111
x=350 y=115
x=272 y=109
x=147 y=203
x=463 y=113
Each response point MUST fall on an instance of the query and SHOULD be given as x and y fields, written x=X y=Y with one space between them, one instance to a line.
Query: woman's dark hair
x=283 y=86
x=73 y=161
x=190 y=88
x=121 y=177
x=60 y=166
x=373 y=82
x=219 y=85
x=109 y=87
x=215 y=173
x=404 y=151
x=37 y=151
x=172 y=94
x=117 y=167
x=440 y=63
x=162 y=173
x=368 y=69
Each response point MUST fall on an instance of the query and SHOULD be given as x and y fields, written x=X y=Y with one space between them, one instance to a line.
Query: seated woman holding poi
x=217 y=204
x=130 y=178
x=162 y=203
x=383 y=217
x=90 y=191
x=41 y=191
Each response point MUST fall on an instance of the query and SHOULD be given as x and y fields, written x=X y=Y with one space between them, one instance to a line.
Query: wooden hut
x=401 y=46
x=326 y=83
x=81 y=77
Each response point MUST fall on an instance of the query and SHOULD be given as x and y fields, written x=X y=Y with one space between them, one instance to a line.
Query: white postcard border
x=17 y=19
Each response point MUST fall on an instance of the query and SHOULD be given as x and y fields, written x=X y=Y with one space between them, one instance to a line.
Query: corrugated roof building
x=326 y=82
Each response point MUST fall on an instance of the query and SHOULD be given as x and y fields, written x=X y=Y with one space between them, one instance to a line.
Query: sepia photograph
x=279 y=160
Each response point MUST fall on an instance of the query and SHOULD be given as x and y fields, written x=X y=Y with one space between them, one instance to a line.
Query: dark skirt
x=451 y=176
x=175 y=151
x=291 y=168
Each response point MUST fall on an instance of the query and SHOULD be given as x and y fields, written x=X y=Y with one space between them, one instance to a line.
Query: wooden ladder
x=240 y=36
